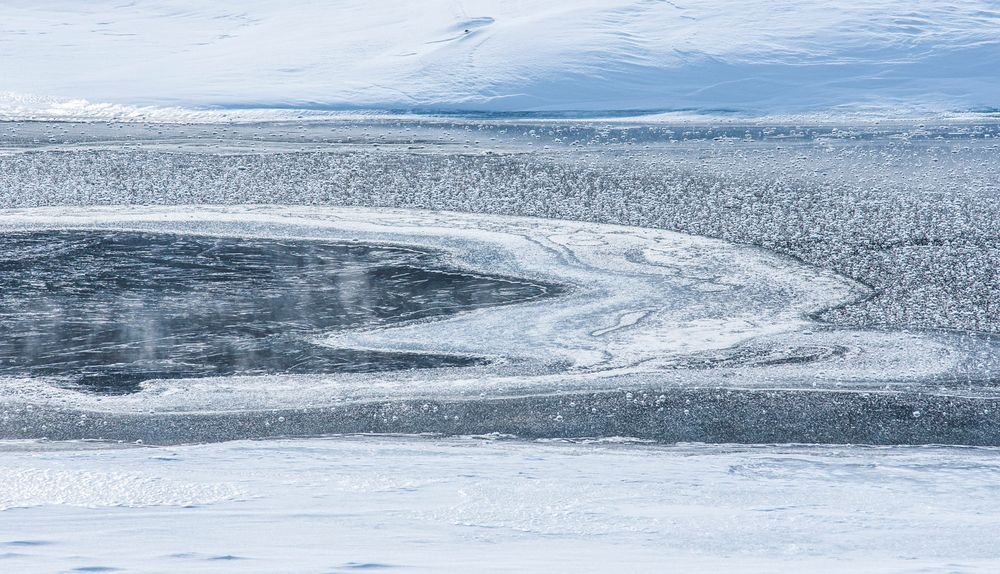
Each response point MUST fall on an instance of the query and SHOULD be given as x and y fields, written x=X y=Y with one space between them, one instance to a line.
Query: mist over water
x=106 y=310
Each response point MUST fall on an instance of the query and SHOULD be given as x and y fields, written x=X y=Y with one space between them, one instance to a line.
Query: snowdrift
x=493 y=56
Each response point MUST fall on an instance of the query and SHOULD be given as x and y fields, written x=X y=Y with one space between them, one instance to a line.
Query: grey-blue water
x=106 y=310
x=906 y=208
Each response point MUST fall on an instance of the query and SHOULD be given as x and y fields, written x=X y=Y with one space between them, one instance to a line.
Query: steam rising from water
x=110 y=309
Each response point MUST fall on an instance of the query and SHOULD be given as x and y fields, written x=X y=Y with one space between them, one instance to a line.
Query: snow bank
x=474 y=505
x=490 y=55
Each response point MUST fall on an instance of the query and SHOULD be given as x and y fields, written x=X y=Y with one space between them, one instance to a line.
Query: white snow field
x=399 y=504
x=714 y=56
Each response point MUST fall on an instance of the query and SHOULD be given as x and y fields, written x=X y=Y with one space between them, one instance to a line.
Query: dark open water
x=110 y=309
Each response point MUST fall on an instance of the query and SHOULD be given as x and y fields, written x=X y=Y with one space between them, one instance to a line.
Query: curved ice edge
x=643 y=305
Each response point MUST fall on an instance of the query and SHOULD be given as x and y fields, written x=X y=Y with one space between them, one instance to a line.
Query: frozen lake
x=867 y=317
x=557 y=331
x=488 y=286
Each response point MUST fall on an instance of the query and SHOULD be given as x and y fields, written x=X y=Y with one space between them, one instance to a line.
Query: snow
x=621 y=353
x=102 y=59
x=28 y=487
x=408 y=504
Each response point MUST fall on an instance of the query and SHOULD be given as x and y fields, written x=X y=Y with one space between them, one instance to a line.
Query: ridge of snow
x=491 y=55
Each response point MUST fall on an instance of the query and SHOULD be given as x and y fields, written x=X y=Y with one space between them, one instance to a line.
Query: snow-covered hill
x=754 y=56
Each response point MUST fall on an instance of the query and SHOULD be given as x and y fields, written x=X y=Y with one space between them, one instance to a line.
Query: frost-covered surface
x=639 y=303
x=646 y=317
x=907 y=208
x=885 y=57
x=459 y=505
x=635 y=297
